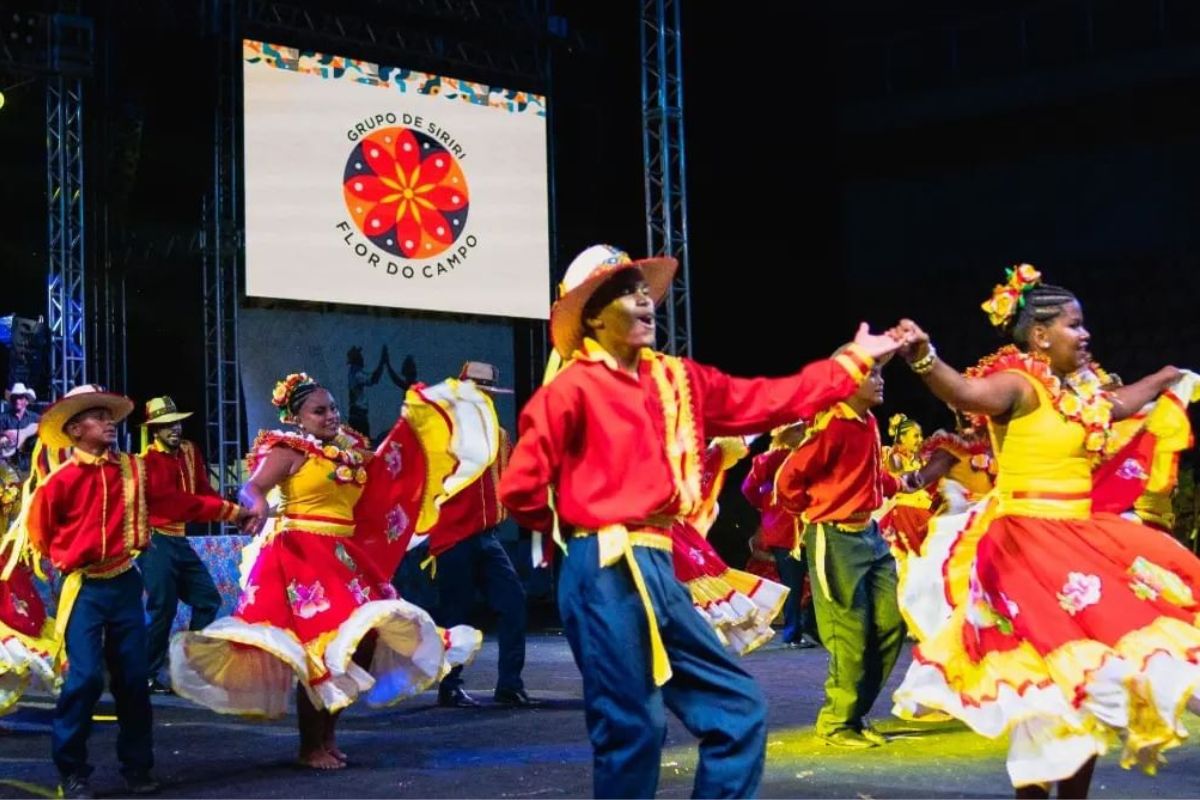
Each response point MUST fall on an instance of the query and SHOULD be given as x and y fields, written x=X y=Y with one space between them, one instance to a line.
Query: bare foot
x=333 y=750
x=321 y=759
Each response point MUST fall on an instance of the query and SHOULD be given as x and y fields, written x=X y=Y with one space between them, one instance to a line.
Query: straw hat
x=585 y=275
x=162 y=411
x=81 y=398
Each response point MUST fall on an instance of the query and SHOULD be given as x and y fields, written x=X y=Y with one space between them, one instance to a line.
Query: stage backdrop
x=365 y=359
x=375 y=185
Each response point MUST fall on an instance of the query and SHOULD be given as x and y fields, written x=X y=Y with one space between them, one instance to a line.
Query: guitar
x=8 y=448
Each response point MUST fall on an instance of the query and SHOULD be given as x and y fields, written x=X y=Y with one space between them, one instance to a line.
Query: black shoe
x=872 y=734
x=76 y=786
x=517 y=698
x=849 y=739
x=456 y=698
x=141 y=783
x=158 y=687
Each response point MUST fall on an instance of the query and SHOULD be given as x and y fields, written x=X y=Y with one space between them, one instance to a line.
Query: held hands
x=877 y=345
x=914 y=342
x=248 y=522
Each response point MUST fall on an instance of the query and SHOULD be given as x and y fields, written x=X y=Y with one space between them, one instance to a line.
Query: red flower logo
x=406 y=193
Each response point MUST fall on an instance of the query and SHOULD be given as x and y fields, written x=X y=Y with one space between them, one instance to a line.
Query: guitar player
x=18 y=427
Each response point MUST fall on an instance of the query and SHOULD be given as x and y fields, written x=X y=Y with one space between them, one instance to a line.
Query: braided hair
x=291 y=392
x=899 y=424
x=1043 y=303
x=299 y=395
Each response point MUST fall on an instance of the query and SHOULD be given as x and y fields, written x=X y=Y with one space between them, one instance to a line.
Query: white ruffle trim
x=1051 y=739
x=234 y=667
x=21 y=665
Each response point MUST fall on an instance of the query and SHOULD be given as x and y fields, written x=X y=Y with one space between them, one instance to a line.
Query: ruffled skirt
x=1072 y=636
x=307 y=603
x=27 y=648
x=739 y=606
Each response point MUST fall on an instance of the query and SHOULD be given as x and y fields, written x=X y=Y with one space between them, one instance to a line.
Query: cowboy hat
x=18 y=389
x=81 y=398
x=585 y=275
x=483 y=375
x=162 y=411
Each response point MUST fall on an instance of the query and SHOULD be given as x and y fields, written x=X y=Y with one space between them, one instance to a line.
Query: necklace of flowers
x=1079 y=398
x=348 y=460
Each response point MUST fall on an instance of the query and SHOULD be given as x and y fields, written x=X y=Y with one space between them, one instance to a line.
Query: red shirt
x=92 y=511
x=473 y=510
x=597 y=435
x=837 y=474
x=778 y=526
x=186 y=469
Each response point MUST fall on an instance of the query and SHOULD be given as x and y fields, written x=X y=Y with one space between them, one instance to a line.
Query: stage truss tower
x=665 y=162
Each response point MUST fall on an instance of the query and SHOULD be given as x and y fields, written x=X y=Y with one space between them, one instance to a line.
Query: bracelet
x=924 y=364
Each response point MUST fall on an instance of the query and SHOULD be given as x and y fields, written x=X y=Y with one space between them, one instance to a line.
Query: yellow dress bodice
x=313 y=500
x=977 y=482
x=1044 y=469
x=909 y=462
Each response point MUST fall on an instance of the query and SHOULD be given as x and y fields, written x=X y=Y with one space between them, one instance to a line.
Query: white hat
x=585 y=275
x=19 y=389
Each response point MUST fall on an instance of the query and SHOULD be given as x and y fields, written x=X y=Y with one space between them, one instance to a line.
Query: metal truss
x=665 y=164
x=70 y=50
x=499 y=38
x=221 y=252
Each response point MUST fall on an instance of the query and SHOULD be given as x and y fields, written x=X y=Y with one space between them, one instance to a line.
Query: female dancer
x=1078 y=628
x=961 y=467
x=318 y=605
x=905 y=524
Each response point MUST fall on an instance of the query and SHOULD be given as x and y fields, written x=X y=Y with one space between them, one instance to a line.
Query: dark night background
x=847 y=160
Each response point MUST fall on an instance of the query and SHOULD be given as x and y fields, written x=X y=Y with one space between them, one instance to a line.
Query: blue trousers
x=797 y=616
x=860 y=621
x=715 y=698
x=172 y=572
x=482 y=561
x=107 y=627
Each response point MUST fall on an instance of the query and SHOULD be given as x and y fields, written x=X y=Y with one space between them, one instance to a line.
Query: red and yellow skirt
x=27 y=647
x=739 y=606
x=308 y=601
x=1072 y=635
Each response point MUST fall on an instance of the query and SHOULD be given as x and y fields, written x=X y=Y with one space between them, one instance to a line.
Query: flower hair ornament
x=285 y=389
x=897 y=423
x=1009 y=298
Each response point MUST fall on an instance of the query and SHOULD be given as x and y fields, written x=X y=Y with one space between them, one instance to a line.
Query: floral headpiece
x=898 y=423
x=1009 y=298
x=281 y=397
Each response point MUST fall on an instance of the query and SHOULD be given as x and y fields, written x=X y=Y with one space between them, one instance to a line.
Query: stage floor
x=419 y=750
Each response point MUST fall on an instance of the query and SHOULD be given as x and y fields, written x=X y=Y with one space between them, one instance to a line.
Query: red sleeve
x=759 y=485
x=40 y=522
x=738 y=406
x=891 y=484
x=204 y=486
x=534 y=464
x=164 y=499
x=803 y=467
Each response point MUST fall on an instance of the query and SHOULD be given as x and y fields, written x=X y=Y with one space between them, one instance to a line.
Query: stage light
x=1 y=99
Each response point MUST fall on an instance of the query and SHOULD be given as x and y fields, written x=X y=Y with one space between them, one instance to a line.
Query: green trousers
x=858 y=617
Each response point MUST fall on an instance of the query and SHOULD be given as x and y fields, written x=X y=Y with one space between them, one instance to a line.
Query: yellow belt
x=616 y=542
x=104 y=570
